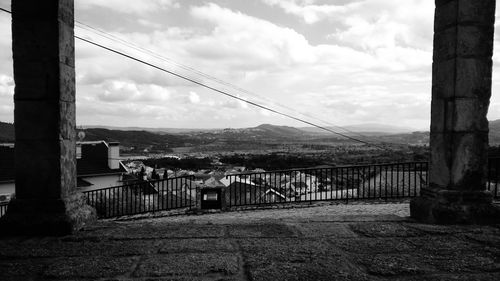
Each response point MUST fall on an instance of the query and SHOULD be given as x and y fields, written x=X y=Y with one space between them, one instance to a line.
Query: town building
x=98 y=166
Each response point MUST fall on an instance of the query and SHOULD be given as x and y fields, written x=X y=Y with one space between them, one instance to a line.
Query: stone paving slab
x=373 y=246
x=197 y=245
x=392 y=265
x=261 y=247
x=296 y=259
x=195 y=264
x=58 y=248
x=384 y=229
x=262 y=230
x=138 y=230
x=322 y=229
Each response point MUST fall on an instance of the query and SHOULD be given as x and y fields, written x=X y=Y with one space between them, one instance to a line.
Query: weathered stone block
x=477 y=12
x=67 y=125
x=36 y=10
x=67 y=83
x=473 y=78
x=438 y=115
x=37 y=120
x=450 y=196
x=68 y=167
x=439 y=171
x=66 y=44
x=31 y=89
x=470 y=115
x=469 y=161
x=445 y=43
x=440 y=3
x=35 y=80
x=450 y=105
x=445 y=15
x=34 y=40
x=46 y=216
x=474 y=41
x=443 y=79
x=433 y=211
x=66 y=12
x=37 y=168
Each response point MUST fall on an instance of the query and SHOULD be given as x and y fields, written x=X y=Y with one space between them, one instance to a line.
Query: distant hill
x=373 y=127
x=495 y=132
x=135 y=138
x=280 y=131
x=6 y=132
x=365 y=129
x=126 y=138
x=147 y=129
x=261 y=133
x=160 y=138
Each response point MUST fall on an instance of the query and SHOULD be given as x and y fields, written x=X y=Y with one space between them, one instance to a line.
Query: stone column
x=44 y=116
x=461 y=89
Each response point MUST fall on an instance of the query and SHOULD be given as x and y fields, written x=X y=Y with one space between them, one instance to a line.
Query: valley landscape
x=267 y=146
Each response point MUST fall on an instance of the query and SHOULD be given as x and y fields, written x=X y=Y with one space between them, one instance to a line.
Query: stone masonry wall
x=461 y=88
x=44 y=72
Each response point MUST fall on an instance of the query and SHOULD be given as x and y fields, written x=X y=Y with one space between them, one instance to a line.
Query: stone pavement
x=326 y=242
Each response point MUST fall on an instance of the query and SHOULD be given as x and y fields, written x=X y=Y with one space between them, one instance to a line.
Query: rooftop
x=321 y=242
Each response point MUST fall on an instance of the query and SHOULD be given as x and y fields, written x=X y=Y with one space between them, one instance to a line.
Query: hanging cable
x=220 y=91
x=112 y=37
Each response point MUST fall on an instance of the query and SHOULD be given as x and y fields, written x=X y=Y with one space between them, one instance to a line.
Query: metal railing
x=381 y=181
x=3 y=208
x=143 y=196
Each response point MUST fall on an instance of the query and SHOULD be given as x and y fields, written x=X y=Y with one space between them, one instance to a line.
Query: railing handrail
x=346 y=183
x=326 y=168
x=139 y=182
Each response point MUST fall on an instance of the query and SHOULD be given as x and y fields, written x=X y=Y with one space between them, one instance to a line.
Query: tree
x=154 y=175
x=141 y=174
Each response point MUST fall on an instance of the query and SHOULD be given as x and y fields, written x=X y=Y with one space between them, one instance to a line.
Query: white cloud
x=236 y=35
x=149 y=24
x=308 y=11
x=121 y=90
x=369 y=56
x=194 y=97
x=128 y=7
x=370 y=23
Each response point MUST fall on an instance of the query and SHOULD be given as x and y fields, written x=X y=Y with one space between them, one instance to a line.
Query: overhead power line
x=112 y=37
x=224 y=92
x=219 y=91
x=129 y=44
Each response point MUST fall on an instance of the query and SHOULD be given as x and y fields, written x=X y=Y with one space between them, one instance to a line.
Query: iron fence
x=3 y=208
x=143 y=196
x=381 y=181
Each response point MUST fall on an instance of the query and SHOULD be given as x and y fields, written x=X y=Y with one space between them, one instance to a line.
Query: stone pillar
x=461 y=89
x=44 y=116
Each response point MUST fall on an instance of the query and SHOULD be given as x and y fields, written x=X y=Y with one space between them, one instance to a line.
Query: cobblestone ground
x=323 y=242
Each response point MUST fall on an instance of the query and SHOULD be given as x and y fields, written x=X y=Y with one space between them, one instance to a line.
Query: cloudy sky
x=340 y=61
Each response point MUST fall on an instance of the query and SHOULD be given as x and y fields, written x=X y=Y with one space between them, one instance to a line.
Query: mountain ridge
x=161 y=137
